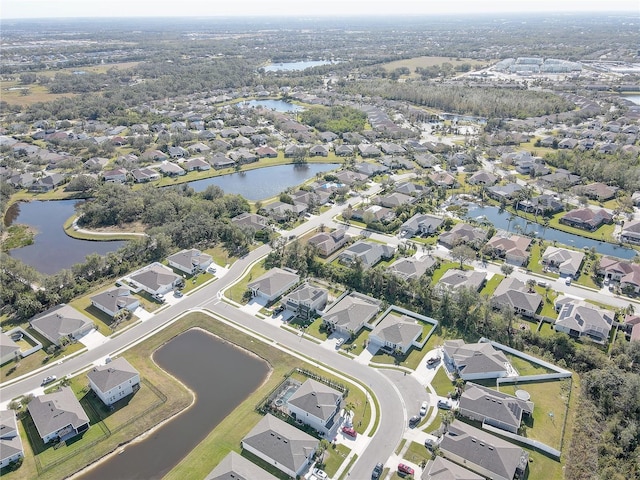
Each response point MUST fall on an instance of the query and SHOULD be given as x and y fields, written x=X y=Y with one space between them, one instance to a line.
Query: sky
x=10 y=9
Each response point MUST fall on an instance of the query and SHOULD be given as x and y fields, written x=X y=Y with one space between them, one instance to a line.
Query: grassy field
x=237 y=291
x=25 y=95
x=441 y=383
x=491 y=285
x=423 y=62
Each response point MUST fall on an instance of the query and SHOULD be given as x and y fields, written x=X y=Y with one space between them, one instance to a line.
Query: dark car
x=413 y=421
x=350 y=431
x=377 y=471
x=444 y=405
x=406 y=469
x=433 y=361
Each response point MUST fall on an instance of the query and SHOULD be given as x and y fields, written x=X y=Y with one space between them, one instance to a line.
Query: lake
x=52 y=249
x=293 y=66
x=277 y=105
x=263 y=183
x=635 y=98
x=220 y=375
x=500 y=219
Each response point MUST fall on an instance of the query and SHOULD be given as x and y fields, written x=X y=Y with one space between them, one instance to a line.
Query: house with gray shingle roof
x=253 y=220
x=578 y=319
x=11 y=449
x=273 y=283
x=190 y=261
x=115 y=299
x=114 y=380
x=351 y=312
x=463 y=233
x=421 y=224
x=9 y=349
x=235 y=467
x=514 y=294
x=442 y=469
x=315 y=404
x=329 y=242
x=411 y=267
x=483 y=453
x=494 y=408
x=306 y=300
x=454 y=279
x=396 y=332
x=564 y=261
x=61 y=321
x=475 y=361
x=284 y=446
x=368 y=253
x=155 y=279
x=58 y=415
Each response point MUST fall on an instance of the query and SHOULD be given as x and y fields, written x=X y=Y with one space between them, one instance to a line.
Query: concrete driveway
x=93 y=339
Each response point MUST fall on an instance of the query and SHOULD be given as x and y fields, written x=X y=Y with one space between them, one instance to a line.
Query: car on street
x=320 y=474
x=567 y=281
x=350 y=431
x=377 y=471
x=423 y=408
x=413 y=421
x=406 y=469
x=49 y=379
x=541 y=283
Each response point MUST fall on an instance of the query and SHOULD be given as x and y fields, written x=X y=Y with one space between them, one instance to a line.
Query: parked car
x=406 y=469
x=430 y=444
x=350 y=431
x=567 y=281
x=339 y=342
x=433 y=361
x=542 y=283
x=444 y=405
x=178 y=294
x=321 y=474
x=377 y=471
x=49 y=379
x=414 y=420
x=423 y=408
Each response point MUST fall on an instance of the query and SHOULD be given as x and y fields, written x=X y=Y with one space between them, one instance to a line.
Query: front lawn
x=237 y=291
x=491 y=285
x=411 y=360
x=441 y=383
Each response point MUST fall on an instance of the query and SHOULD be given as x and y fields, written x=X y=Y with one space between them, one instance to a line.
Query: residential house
x=114 y=380
x=597 y=191
x=351 y=312
x=561 y=178
x=565 y=262
x=235 y=467
x=627 y=273
x=316 y=405
x=412 y=267
x=306 y=300
x=367 y=150
x=266 y=152
x=513 y=248
x=344 y=150
x=374 y=213
x=319 y=151
x=631 y=232
x=155 y=279
x=568 y=143
x=9 y=350
x=253 y=220
x=47 y=183
x=190 y=261
x=514 y=294
x=413 y=189
x=397 y=333
x=505 y=193
x=454 y=279
x=153 y=156
x=368 y=253
x=294 y=150
x=482 y=177
x=475 y=361
x=578 y=319
x=394 y=200
x=114 y=300
x=281 y=211
x=284 y=446
x=329 y=242
x=171 y=169
x=439 y=468
x=61 y=321
x=119 y=175
x=463 y=233
x=146 y=174
x=347 y=177
x=58 y=415
x=199 y=164
x=273 y=283
x=484 y=453
x=545 y=205
x=421 y=224
x=199 y=147
x=22 y=180
x=493 y=407
x=587 y=218
x=369 y=169
x=11 y=449
x=443 y=179
x=178 y=152
x=327 y=137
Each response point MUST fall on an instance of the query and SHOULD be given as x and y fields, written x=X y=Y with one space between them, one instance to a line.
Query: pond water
x=266 y=182
x=500 y=219
x=52 y=249
x=635 y=98
x=292 y=66
x=200 y=361
x=277 y=105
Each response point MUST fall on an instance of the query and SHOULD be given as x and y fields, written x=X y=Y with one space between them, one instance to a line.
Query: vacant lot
x=423 y=62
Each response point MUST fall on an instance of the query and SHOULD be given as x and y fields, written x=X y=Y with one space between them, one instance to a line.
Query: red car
x=406 y=469
x=349 y=431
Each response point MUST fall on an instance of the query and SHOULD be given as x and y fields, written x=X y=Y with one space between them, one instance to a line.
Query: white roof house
x=155 y=279
x=235 y=467
x=396 y=332
x=351 y=312
x=115 y=299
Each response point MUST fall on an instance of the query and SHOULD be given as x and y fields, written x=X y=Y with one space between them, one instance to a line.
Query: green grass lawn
x=236 y=292
x=357 y=345
x=441 y=383
x=546 y=330
x=336 y=456
x=416 y=453
x=411 y=360
x=441 y=270
x=526 y=367
x=491 y=285
x=315 y=328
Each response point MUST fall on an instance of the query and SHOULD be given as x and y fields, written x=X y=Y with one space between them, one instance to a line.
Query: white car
x=339 y=342
x=321 y=474
x=423 y=408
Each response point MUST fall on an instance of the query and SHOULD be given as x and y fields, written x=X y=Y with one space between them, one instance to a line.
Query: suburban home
x=374 y=213
x=412 y=267
x=463 y=233
x=494 y=408
x=190 y=261
x=284 y=446
x=580 y=319
x=397 y=333
x=344 y=150
x=306 y=300
x=48 y=183
x=199 y=147
x=178 y=152
x=513 y=248
x=316 y=405
x=413 y=189
x=561 y=178
x=568 y=143
x=368 y=150
x=9 y=350
x=155 y=279
x=273 y=283
x=61 y=321
x=442 y=469
x=482 y=177
x=475 y=361
x=146 y=174
x=586 y=218
x=421 y=224
x=443 y=179
x=114 y=380
x=368 y=253
x=266 y=152
x=351 y=312
x=199 y=164
x=627 y=273
x=235 y=467
x=11 y=449
x=565 y=262
x=631 y=233
x=294 y=150
x=597 y=191
x=513 y=293
x=484 y=453
x=394 y=200
x=347 y=177
x=505 y=193
x=58 y=415
x=171 y=169
x=281 y=211
x=329 y=242
x=253 y=220
x=545 y=205
x=119 y=175
x=319 y=151
x=454 y=279
x=115 y=299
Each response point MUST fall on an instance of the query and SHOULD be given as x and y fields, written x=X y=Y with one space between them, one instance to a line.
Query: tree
x=531 y=283
x=506 y=269
x=463 y=253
